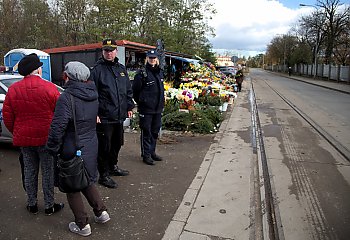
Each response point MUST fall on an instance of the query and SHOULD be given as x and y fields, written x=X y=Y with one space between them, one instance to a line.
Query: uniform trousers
x=110 y=140
x=150 y=125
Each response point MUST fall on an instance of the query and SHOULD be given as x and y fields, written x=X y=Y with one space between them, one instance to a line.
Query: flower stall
x=197 y=104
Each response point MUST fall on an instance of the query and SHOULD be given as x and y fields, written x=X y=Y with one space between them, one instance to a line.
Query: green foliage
x=200 y=122
x=213 y=114
x=183 y=25
x=135 y=121
x=177 y=121
x=210 y=100
x=171 y=105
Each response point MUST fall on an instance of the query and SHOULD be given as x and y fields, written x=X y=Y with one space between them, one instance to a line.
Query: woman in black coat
x=148 y=92
x=61 y=141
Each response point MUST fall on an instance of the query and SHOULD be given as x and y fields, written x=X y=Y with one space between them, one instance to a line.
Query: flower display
x=167 y=86
x=186 y=97
x=203 y=92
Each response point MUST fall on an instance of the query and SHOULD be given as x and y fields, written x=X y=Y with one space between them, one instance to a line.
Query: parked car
x=6 y=80
x=229 y=71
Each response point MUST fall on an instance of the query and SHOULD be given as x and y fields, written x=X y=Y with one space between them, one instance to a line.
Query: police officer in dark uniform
x=115 y=105
x=148 y=90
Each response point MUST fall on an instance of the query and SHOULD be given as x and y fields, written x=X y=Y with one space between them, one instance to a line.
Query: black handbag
x=72 y=175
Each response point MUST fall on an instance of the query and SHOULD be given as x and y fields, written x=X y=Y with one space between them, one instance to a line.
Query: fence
x=331 y=72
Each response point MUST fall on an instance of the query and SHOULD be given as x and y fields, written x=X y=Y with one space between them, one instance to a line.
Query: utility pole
x=284 y=54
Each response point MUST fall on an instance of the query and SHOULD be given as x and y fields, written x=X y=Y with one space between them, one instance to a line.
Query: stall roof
x=139 y=47
x=125 y=43
x=135 y=45
x=74 y=48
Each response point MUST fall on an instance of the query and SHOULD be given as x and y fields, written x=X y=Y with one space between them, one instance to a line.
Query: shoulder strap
x=75 y=122
x=143 y=72
x=161 y=73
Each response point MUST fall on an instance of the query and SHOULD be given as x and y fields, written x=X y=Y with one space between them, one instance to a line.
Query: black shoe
x=148 y=161
x=118 y=171
x=33 y=209
x=155 y=157
x=107 y=182
x=54 y=209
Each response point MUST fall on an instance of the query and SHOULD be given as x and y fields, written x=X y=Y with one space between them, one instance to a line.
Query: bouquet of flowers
x=186 y=98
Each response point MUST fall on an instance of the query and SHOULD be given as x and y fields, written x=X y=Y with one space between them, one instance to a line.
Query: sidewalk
x=220 y=212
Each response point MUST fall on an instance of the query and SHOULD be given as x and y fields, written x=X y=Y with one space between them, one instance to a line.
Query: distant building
x=224 y=61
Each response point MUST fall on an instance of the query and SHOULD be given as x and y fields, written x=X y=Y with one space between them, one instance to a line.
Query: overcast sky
x=245 y=27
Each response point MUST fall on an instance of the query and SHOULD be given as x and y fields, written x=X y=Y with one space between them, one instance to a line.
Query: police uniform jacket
x=148 y=90
x=114 y=90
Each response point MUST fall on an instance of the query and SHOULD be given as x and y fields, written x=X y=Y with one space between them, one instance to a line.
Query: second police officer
x=115 y=105
x=148 y=91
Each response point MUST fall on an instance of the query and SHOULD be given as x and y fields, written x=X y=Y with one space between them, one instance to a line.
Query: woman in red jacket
x=27 y=112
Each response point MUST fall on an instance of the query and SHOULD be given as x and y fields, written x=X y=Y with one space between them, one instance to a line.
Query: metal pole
x=284 y=56
x=316 y=47
x=315 y=60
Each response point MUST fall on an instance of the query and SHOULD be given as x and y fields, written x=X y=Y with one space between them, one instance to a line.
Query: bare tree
x=342 y=46
x=335 y=23
x=313 y=31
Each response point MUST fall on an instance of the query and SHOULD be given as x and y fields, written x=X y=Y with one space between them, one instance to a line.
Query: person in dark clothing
x=239 y=78
x=61 y=141
x=289 y=71
x=115 y=105
x=148 y=90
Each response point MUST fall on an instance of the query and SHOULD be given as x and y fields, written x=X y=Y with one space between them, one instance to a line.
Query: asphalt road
x=328 y=108
x=310 y=179
x=141 y=207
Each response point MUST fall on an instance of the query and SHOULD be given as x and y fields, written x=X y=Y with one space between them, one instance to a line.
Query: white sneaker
x=103 y=218
x=86 y=231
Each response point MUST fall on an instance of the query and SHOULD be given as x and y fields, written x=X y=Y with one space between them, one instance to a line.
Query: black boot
x=116 y=171
x=107 y=182
x=33 y=209
x=156 y=157
x=148 y=161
